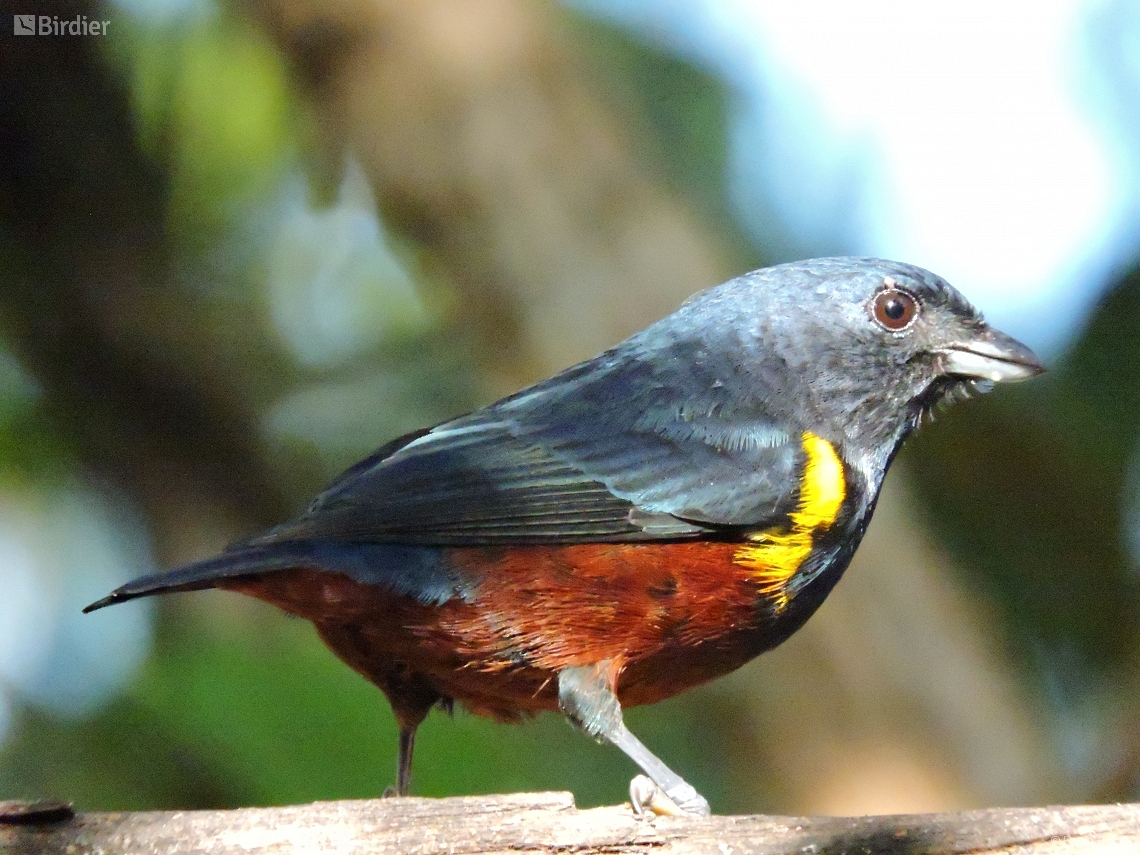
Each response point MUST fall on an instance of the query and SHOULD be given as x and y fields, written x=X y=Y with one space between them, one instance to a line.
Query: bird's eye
x=894 y=310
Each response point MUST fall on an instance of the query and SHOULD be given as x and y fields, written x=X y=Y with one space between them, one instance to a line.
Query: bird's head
x=862 y=347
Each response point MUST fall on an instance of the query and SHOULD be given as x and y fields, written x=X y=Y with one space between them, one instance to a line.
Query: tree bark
x=483 y=139
x=543 y=822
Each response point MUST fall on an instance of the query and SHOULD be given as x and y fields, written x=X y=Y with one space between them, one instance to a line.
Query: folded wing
x=622 y=448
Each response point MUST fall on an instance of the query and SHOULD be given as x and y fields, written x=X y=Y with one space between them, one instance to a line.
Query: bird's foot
x=389 y=793
x=682 y=800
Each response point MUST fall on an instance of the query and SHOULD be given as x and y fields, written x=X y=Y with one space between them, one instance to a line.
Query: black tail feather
x=200 y=574
x=410 y=571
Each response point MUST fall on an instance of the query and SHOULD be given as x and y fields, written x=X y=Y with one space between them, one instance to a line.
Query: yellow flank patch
x=775 y=555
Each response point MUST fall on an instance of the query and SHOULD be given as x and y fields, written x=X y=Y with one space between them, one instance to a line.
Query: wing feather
x=646 y=442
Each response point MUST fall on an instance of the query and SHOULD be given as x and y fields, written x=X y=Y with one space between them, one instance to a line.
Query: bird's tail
x=418 y=572
x=203 y=574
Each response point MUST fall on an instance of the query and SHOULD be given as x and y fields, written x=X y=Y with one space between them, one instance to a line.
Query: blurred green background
x=241 y=246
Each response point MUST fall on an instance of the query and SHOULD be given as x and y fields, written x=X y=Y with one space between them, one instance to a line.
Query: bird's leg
x=586 y=695
x=404 y=760
x=411 y=698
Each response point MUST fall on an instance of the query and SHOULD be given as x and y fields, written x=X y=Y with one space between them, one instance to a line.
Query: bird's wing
x=620 y=449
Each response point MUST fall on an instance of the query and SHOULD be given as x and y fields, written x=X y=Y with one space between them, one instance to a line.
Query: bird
x=636 y=525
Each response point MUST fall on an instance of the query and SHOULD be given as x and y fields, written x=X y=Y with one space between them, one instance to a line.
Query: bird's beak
x=990 y=355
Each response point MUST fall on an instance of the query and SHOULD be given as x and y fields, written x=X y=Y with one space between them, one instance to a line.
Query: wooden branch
x=548 y=822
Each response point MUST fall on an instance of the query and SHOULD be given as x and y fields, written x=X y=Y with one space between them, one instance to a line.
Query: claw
x=647 y=798
x=644 y=796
